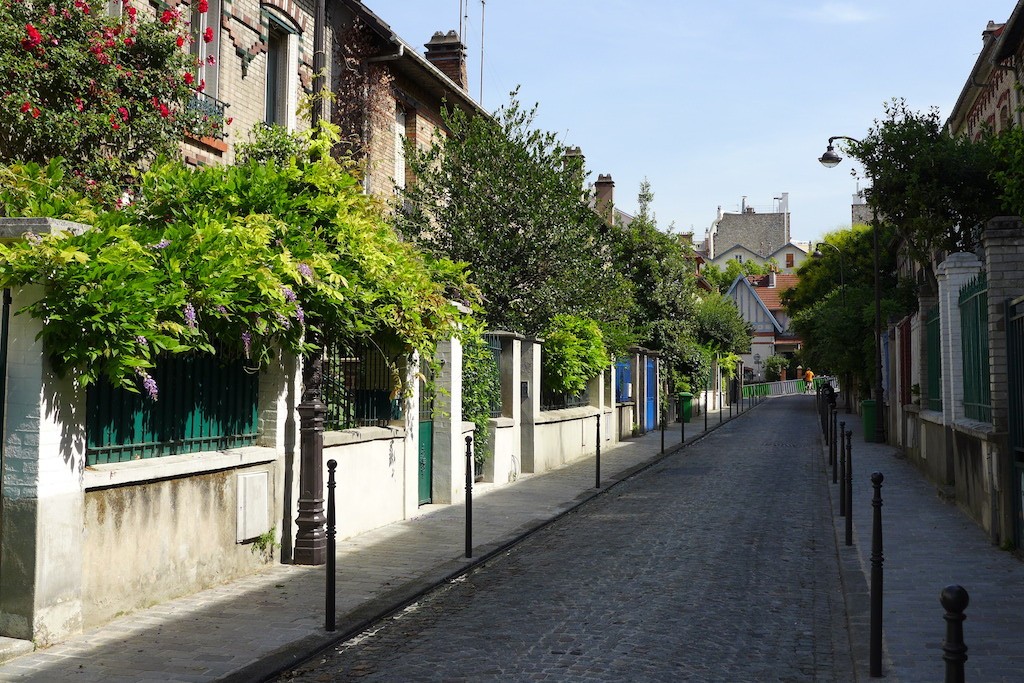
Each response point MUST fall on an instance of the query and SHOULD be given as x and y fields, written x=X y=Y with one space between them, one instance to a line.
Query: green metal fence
x=974 y=346
x=360 y=387
x=494 y=345
x=934 y=353
x=204 y=404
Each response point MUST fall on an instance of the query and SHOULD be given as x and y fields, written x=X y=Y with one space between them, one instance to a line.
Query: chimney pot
x=448 y=54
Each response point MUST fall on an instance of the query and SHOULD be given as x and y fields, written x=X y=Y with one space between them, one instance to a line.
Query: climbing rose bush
x=106 y=93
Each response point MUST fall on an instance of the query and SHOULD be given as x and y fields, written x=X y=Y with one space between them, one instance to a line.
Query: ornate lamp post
x=829 y=160
x=310 y=538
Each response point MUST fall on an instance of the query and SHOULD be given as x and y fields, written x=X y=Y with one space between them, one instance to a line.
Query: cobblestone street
x=716 y=564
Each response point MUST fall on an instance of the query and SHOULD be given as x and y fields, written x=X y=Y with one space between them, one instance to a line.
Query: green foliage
x=106 y=93
x=660 y=270
x=251 y=256
x=720 y=326
x=481 y=388
x=721 y=279
x=773 y=366
x=270 y=142
x=935 y=189
x=573 y=354
x=31 y=190
x=1008 y=147
x=504 y=198
x=837 y=324
x=265 y=544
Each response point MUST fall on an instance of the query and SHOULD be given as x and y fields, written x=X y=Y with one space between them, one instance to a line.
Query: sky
x=713 y=100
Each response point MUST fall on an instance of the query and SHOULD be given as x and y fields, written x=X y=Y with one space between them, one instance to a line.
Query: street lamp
x=830 y=160
x=842 y=274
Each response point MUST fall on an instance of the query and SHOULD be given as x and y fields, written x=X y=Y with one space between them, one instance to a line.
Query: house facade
x=758 y=299
x=103 y=515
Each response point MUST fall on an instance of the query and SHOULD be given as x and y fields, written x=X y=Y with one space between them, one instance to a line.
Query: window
x=399 y=177
x=205 y=47
x=282 y=66
x=739 y=257
x=789 y=260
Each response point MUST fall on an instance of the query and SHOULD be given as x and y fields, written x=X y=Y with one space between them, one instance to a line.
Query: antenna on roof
x=463 y=15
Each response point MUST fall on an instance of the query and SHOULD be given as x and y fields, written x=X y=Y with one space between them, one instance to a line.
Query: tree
x=660 y=269
x=933 y=188
x=506 y=199
x=106 y=93
x=722 y=279
x=720 y=327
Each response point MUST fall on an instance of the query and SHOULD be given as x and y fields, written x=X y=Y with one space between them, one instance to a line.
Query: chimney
x=604 y=193
x=447 y=53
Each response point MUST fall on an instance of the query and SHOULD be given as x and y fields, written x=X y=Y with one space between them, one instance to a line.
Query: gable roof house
x=758 y=298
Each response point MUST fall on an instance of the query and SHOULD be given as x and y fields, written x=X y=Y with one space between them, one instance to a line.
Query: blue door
x=650 y=416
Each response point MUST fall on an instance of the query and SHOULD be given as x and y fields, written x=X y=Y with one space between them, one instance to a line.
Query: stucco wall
x=370 y=475
x=153 y=541
x=564 y=436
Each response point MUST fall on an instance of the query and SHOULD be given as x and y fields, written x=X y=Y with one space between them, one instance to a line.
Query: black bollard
x=682 y=423
x=875 y=664
x=597 y=457
x=705 y=411
x=662 y=429
x=832 y=444
x=329 y=593
x=954 y=600
x=842 y=469
x=849 y=488
x=469 y=496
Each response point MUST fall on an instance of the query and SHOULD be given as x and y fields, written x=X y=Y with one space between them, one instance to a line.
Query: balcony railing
x=206 y=115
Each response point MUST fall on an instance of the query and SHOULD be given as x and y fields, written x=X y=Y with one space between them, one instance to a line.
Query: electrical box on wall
x=253 y=505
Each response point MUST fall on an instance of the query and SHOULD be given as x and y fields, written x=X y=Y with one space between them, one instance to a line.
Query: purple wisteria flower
x=283 y=320
x=300 y=314
x=32 y=238
x=305 y=271
x=222 y=310
x=162 y=244
x=190 y=316
x=289 y=295
x=141 y=341
x=148 y=384
x=247 y=343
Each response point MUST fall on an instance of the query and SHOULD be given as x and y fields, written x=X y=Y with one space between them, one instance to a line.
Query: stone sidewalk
x=927 y=544
x=249 y=629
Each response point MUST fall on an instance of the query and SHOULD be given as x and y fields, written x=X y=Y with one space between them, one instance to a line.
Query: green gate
x=426 y=446
x=1015 y=372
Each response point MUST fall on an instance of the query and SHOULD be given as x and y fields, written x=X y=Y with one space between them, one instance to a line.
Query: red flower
x=131 y=12
x=25 y=107
x=229 y=120
x=123 y=112
x=203 y=6
x=180 y=40
x=129 y=42
x=188 y=77
x=79 y=104
x=34 y=38
x=168 y=17
x=35 y=112
x=164 y=111
x=208 y=35
x=202 y=85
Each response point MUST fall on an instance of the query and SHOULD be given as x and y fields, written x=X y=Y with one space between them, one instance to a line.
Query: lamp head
x=830 y=159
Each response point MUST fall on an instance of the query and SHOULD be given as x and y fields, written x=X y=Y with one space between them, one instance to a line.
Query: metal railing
x=974 y=346
x=359 y=387
x=787 y=387
x=933 y=347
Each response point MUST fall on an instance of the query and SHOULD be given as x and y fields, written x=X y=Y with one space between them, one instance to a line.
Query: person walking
x=809 y=381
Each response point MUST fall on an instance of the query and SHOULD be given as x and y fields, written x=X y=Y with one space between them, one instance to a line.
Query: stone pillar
x=42 y=496
x=279 y=388
x=449 y=477
x=952 y=274
x=529 y=401
x=510 y=372
x=1003 y=244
